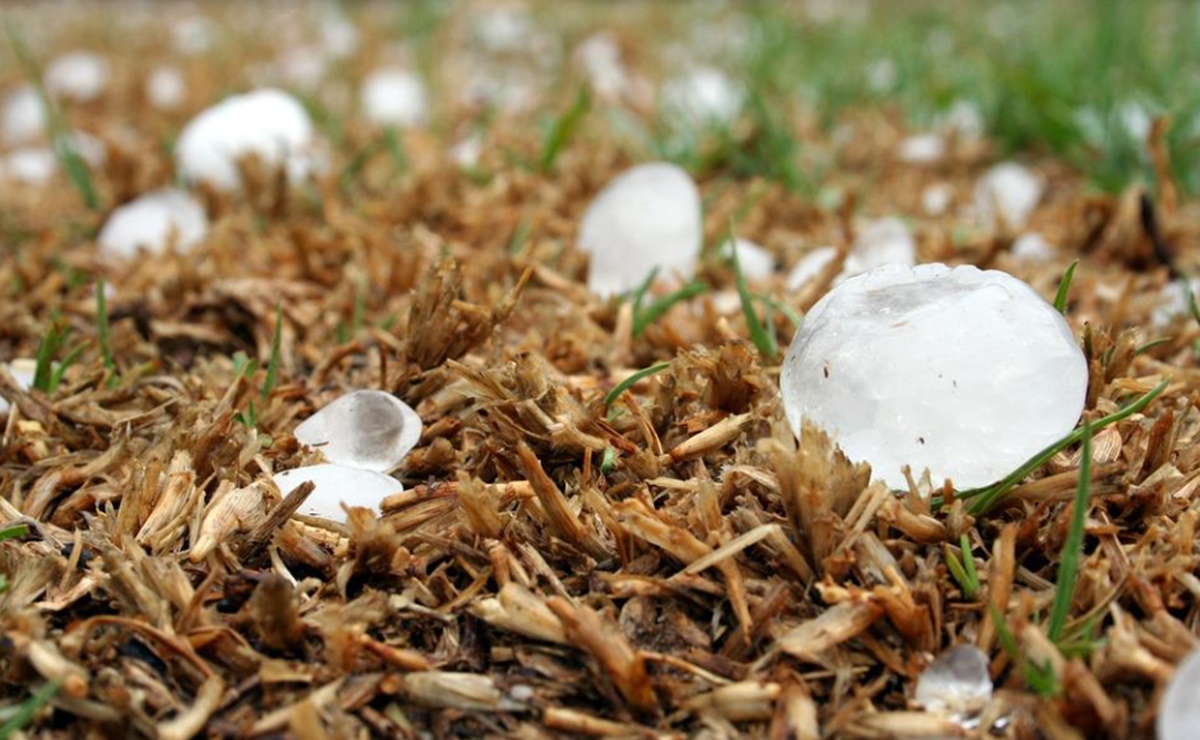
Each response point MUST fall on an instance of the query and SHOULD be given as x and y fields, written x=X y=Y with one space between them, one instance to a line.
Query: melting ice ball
x=372 y=430
x=394 y=97
x=1179 y=708
x=1008 y=192
x=268 y=123
x=965 y=372
x=957 y=684
x=647 y=217
x=151 y=221
x=335 y=485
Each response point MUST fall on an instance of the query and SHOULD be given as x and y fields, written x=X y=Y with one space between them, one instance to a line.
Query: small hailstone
x=151 y=221
x=809 y=266
x=963 y=118
x=302 y=67
x=1032 y=247
x=502 y=29
x=882 y=75
x=268 y=123
x=23 y=371
x=957 y=684
x=394 y=97
x=367 y=429
x=33 y=165
x=965 y=372
x=921 y=149
x=79 y=75
x=335 y=485
x=466 y=152
x=194 y=34
x=339 y=35
x=600 y=57
x=1175 y=300
x=165 y=88
x=24 y=116
x=647 y=217
x=887 y=241
x=1007 y=192
x=704 y=96
x=935 y=198
x=1179 y=707
x=1135 y=119
x=755 y=262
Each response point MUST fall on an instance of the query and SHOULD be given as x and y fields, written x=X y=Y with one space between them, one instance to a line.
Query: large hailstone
x=965 y=372
x=364 y=429
x=1179 y=708
x=1007 y=193
x=647 y=217
x=335 y=485
x=151 y=221
x=394 y=97
x=267 y=123
x=79 y=75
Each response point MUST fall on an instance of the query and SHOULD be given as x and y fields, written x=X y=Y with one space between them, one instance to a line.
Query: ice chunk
x=502 y=29
x=704 y=96
x=24 y=115
x=165 y=88
x=394 y=97
x=935 y=198
x=647 y=217
x=79 y=75
x=194 y=34
x=965 y=372
x=367 y=429
x=1175 y=300
x=755 y=262
x=809 y=266
x=600 y=57
x=957 y=684
x=887 y=241
x=335 y=485
x=23 y=371
x=32 y=165
x=151 y=221
x=963 y=118
x=1007 y=193
x=921 y=149
x=267 y=123
x=1032 y=247
x=1179 y=708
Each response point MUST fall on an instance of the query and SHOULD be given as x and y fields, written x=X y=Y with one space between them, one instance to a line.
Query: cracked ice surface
x=335 y=485
x=367 y=429
x=647 y=217
x=965 y=372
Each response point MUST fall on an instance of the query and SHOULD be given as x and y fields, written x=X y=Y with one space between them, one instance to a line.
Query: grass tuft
x=563 y=128
x=1064 y=287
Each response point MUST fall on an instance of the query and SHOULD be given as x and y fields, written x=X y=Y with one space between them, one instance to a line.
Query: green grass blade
x=1068 y=569
x=15 y=531
x=762 y=336
x=629 y=382
x=968 y=560
x=106 y=354
x=983 y=499
x=1064 y=287
x=273 y=362
x=563 y=128
x=958 y=571
x=644 y=317
x=395 y=147
x=520 y=235
x=792 y=315
x=48 y=347
x=30 y=707
x=56 y=375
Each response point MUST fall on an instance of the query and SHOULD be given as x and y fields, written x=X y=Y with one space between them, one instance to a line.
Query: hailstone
x=367 y=429
x=151 y=221
x=964 y=372
x=335 y=485
x=394 y=97
x=1179 y=708
x=648 y=217
x=1007 y=193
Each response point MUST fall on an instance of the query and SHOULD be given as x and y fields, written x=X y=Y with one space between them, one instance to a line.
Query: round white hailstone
x=1135 y=119
x=335 y=485
x=957 y=684
x=339 y=36
x=647 y=217
x=1175 y=300
x=23 y=371
x=922 y=149
x=600 y=57
x=965 y=372
x=33 y=165
x=502 y=29
x=1033 y=247
x=394 y=97
x=882 y=75
x=755 y=262
x=166 y=88
x=80 y=75
x=24 y=116
x=303 y=67
x=963 y=118
x=1179 y=708
x=367 y=429
x=267 y=123
x=1008 y=192
x=466 y=152
x=151 y=222
x=809 y=266
x=194 y=34
x=887 y=241
x=935 y=198
x=704 y=96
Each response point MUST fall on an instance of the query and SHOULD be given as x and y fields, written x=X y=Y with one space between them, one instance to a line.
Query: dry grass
x=720 y=579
